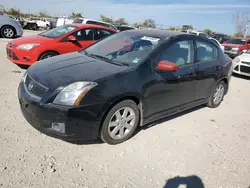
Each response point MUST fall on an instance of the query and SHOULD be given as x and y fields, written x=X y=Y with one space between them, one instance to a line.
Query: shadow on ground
x=188 y=182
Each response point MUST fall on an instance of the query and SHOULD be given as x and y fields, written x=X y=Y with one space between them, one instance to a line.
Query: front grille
x=244 y=69
x=236 y=68
x=244 y=62
x=14 y=56
x=33 y=88
x=9 y=52
x=228 y=48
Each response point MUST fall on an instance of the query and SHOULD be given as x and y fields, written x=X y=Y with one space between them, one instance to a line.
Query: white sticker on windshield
x=136 y=60
x=152 y=39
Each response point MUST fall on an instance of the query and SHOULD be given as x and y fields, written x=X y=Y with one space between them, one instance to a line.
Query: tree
x=2 y=9
x=13 y=12
x=208 y=31
x=106 y=19
x=76 y=15
x=240 y=21
x=137 y=25
x=149 y=23
x=121 y=21
x=238 y=35
x=42 y=15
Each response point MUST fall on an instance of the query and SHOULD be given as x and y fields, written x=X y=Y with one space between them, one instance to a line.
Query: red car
x=234 y=46
x=60 y=40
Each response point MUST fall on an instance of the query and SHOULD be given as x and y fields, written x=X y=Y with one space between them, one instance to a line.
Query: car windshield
x=58 y=31
x=236 y=41
x=125 y=48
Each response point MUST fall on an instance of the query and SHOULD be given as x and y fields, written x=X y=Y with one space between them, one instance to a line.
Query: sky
x=214 y=14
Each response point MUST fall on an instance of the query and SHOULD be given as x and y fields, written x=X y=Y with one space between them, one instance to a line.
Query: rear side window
x=77 y=20
x=202 y=35
x=95 y=23
x=206 y=51
x=100 y=33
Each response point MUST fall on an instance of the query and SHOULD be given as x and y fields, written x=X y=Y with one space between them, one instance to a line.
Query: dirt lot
x=213 y=145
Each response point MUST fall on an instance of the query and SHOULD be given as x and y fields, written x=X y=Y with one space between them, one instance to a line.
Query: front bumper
x=242 y=69
x=231 y=53
x=20 y=56
x=79 y=123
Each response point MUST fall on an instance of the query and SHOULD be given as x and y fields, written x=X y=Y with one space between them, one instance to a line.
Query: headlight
x=236 y=60
x=27 y=46
x=72 y=94
x=235 y=49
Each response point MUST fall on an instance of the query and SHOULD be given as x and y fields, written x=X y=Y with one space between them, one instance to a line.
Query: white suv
x=94 y=22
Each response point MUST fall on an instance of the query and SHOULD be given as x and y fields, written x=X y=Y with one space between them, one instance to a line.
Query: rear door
x=208 y=67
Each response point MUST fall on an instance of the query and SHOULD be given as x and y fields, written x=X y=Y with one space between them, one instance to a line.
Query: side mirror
x=167 y=66
x=72 y=38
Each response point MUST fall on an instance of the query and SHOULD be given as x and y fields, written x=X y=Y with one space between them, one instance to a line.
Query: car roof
x=79 y=25
x=163 y=34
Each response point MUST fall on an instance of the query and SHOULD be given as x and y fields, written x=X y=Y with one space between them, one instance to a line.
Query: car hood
x=232 y=45
x=245 y=57
x=64 y=69
x=31 y=39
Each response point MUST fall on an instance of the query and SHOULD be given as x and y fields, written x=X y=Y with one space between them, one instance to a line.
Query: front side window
x=84 y=35
x=124 y=48
x=205 y=51
x=100 y=33
x=58 y=31
x=180 y=53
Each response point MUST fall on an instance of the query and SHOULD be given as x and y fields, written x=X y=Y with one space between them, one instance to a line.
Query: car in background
x=220 y=37
x=63 y=21
x=221 y=46
x=9 y=28
x=94 y=22
x=241 y=64
x=126 y=80
x=124 y=27
x=60 y=40
x=202 y=34
x=235 y=46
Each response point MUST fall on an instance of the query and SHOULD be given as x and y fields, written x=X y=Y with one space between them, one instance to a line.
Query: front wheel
x=120 y=122
x=8 y=32
x=217 y=95
x=47 y=55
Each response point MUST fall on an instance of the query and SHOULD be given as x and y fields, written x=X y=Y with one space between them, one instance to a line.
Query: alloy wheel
x=8 y=32
x=219 y=93
x=121 y=123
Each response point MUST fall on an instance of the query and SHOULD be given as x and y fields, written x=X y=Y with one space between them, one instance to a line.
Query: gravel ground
x=205 y=146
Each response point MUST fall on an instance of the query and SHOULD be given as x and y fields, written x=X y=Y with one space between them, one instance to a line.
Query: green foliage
x=76 y=15
x=106 y=19
x=121 y=21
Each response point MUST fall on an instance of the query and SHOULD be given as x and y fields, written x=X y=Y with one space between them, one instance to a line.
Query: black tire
x=8 y=32
x=104 y=134
x=211 y=103
x=47 y=55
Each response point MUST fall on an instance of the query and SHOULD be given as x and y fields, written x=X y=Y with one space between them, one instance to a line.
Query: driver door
x=84 y=38
x=173 y=91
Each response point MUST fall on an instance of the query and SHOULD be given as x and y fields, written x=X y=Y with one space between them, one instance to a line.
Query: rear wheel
x=120 y=122
x=217 y=95
x=8 y=32
x=47 y=55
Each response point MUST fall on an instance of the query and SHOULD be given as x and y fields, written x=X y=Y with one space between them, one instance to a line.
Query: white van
x=94 y=22
x=63 y=21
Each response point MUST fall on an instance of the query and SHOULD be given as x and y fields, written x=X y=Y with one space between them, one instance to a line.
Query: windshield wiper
x=103 y=58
